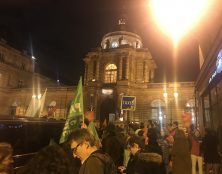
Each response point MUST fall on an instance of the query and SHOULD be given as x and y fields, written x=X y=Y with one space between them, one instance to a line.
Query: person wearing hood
x=141 y=162
x=181 y=156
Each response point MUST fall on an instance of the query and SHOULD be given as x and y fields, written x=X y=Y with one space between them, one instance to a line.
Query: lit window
x=115 y=44
x=110 y=73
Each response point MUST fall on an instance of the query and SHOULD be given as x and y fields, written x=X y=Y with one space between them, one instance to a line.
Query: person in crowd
x=6 y=159
x=196 y=157
x=75 y=162
x=174 y=128
x=180 y=155
x=165 y=147
x=112 y=145
x=153 y=146
x=210 y=151
x=50 y=160
x=83 y=145
x=141 y=162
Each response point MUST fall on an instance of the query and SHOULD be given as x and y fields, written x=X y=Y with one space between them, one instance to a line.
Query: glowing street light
x=175 y=94
x=176 y=17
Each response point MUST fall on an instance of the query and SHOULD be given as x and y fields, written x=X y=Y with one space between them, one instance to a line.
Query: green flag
x=75 y=114
x=92 y=129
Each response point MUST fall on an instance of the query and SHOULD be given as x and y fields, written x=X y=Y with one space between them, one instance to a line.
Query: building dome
x=121 y=37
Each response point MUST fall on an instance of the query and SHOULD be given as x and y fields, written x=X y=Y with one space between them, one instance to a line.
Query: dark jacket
x=98 y=163
x=112 y=146
x=144 y=163
x=92 y=165
x=181 y=155
x=210 y=149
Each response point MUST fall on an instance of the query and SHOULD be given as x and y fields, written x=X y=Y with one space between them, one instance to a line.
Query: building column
x=120 y=68
x=86 y=73
x=152 y=75
x=146 y=75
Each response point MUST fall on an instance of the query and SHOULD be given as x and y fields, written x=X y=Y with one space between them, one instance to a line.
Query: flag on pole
x=92 y=129
x=75 y=114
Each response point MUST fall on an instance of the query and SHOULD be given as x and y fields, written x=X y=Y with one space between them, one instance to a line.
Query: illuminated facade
x=17 y=77
x=123 y=67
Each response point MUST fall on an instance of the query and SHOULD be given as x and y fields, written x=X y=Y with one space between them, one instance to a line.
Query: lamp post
x=170 y=99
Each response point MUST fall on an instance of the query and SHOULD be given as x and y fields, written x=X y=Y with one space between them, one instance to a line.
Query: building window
x=206 y=106
x=110 y=73
x=158 y=110
x=190 y=107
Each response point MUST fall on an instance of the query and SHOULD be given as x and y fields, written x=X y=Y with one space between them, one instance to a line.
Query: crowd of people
x=130 y=149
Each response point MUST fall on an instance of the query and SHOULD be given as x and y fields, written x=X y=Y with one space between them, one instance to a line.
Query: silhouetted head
x=6 y=159
x=51 y=159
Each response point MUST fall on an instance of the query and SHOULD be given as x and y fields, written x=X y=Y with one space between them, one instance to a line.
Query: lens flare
x=176 y=17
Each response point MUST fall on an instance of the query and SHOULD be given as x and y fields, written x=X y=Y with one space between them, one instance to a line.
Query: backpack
x=110 y=167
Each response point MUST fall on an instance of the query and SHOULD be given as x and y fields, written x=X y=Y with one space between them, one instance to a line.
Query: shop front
x=209 y=90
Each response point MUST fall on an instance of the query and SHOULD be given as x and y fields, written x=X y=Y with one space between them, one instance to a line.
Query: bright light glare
x=39 y=96
x=176 y=17
x=165 y=94
x=175 y=94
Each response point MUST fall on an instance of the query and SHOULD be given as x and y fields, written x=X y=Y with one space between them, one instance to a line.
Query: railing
x=21 y=160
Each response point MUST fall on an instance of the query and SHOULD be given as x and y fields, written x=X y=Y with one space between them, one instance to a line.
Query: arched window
x=110 y=73
x=157 y=109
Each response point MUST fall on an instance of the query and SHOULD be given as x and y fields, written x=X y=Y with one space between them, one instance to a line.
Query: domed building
x=122 y=71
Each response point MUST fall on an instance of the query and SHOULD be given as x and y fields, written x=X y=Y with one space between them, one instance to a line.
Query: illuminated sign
x=128 y=103
x=219 y=62
x=107 y=91
x=218 y=66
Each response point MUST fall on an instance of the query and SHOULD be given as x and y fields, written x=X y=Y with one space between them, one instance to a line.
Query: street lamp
x=179 y=20
x=171 y=99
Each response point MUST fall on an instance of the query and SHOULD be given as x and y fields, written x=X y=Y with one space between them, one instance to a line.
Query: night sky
x=61 y=33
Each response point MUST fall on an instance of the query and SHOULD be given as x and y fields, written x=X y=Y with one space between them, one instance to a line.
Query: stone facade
x=120 y=67
x=17 y=77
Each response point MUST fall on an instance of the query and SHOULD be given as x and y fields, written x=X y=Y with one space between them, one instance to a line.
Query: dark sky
x=63 y=31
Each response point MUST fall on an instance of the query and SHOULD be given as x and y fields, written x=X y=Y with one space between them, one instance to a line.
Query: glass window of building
x=207 y=120
x=214 y=108
x=190 y=107
x=158 y=110
x=110 y=73
x=213 y=96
